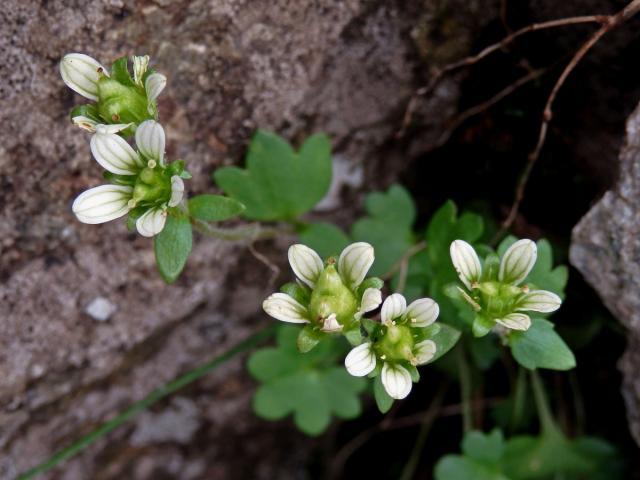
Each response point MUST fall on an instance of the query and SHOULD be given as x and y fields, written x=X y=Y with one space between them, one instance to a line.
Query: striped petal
x=371 y=299
x=396 y=381
x=150 y=140
x=151 y=222
x=331 y=325
x=354 y=263
x=422 y=312
x=424 y=351
x=102 y=204
x=284 y=308
x=518 y=261
x=539 y=301
x=177 y=190
x=114 y=154
x=466 y=262
x=305 y=263
x=81 y=73
x=515 y=321
x=393 y=307
x=361 y=360
x=153 y=85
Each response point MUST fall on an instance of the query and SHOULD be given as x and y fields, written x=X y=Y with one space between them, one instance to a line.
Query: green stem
x=146 y=402
x=547 y=422
x=253 y=231
x=465 y=390
x=430 y=416
x=519 y=394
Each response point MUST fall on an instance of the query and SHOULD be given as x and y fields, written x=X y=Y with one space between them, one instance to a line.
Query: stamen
x=151 y=164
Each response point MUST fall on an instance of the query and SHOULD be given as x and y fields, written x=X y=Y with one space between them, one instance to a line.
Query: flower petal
x=81 y=73
x=422 y=312
x=466 y=262
x=424 y=351
x=518 y=261
x=153 y=85
x=354 y=263
x=515 y=321
x=114 y=154
x=361 y=360
x=103 y=203
x=151 y=222
x=305 y=263
x=284 y=308
x=396 y=380
x=140 y=65
x=539 y=301
x=393 y=307
x=177 y=190
x=330 y=324
x=150 y=140
x=371 y=299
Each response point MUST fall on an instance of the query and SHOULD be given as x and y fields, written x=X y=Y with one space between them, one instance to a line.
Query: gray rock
x=606 y=249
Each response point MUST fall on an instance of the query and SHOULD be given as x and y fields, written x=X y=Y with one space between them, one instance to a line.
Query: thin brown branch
x=459 y=119
x=472 y=59
x=406 y=256
x=608 y=24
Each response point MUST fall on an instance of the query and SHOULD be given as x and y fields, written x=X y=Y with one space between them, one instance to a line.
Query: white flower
x=424 y=351
x=102 y=204
x=396 y=380
x=515 y=321
x=81 y=74
x=361 y=360
x=353 y=265
x=539 y=301
x=518 y=261
x=466 y=262
x=150 y=140
x=151 y=222
x=285 y=308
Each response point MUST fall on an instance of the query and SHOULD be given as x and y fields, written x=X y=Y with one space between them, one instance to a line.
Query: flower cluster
x=333 y=297
x=142 y=184
x=119 y=99
x=494 y=290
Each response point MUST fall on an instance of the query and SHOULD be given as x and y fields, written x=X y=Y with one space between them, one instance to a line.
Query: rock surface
x=345 y=67
x=606 y=249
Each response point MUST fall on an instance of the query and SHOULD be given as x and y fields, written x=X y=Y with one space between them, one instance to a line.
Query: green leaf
x=214 y=208
x=308 y=338
x=541 y=347
x=173 y=245
x=383 y=400
x=120 y=72
x=457 y=467
x=325 y=238
x=311 y=386
x=484 y=447
x=388 y=226
x=278 y=183
x=445 y=340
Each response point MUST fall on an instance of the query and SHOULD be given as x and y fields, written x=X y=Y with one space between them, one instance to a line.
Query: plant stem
x=519 y=393
x=427 y=422
x=251 y=232
x=465 y=390
x=547 y=422
x=146 y=402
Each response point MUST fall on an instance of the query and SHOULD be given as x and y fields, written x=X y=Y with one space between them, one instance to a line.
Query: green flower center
x=331 y=295
x=152 y=187
x=396 y=343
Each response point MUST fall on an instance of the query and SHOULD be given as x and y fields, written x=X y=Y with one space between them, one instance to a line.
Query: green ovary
x=396 y=343
x=152 y=187
x=497 y=299
x=330 y=295
x=119 y=103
